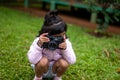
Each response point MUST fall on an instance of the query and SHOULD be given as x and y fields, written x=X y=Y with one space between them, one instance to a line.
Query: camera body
x=53 y=43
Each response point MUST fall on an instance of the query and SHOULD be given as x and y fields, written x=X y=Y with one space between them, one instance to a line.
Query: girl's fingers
x=62 y=45
x=44 y=34
x=44 y=38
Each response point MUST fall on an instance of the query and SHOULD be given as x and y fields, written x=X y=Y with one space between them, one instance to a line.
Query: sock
x=58 y=78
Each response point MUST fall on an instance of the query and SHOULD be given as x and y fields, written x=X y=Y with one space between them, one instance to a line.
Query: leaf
x=107 y=52
x=108 y=18
x=118 y=70
x=117 y=19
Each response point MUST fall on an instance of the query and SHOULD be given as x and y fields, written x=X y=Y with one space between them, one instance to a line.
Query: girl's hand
x=63 y=45
x=43 y=38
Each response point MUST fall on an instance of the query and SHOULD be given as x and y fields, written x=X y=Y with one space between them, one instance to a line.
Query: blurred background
x=94 y=14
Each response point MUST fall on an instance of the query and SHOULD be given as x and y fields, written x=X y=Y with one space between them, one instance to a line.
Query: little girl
x=48 y=62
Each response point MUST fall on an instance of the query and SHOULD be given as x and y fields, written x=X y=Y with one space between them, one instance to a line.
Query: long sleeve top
x=35 y=53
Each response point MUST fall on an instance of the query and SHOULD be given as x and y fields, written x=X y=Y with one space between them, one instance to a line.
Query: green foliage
x=18 y=30
x=109 y=11
x=103 y=24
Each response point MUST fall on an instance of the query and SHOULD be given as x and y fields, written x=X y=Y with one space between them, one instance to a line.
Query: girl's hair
x=53 y=24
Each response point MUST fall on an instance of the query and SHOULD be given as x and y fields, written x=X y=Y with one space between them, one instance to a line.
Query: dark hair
x=53 y=24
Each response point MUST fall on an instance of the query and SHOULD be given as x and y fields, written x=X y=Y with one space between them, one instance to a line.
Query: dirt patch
x=99 y=35
x=68 y=19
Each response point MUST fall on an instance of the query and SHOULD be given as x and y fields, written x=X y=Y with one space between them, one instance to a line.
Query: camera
x=53 y=43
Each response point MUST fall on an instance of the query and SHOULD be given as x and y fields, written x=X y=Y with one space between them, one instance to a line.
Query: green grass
x=18 y=30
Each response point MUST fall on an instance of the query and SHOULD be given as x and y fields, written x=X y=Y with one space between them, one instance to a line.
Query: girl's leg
x=60 y=66
x=41 y=67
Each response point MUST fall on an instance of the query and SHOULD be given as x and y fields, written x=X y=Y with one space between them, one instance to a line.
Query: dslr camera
x=53 y=43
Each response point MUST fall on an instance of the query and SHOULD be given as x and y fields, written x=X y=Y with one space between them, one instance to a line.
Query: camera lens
x=52 y=45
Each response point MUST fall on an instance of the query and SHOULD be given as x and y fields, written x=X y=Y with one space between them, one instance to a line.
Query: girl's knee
x=43 y=62
x=63 y=63
x=60 y=66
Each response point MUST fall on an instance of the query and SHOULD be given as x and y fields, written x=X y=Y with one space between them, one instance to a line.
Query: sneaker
x=57 y=78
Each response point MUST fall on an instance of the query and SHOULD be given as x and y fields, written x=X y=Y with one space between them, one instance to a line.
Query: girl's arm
x=68 y=53
x=35 y=52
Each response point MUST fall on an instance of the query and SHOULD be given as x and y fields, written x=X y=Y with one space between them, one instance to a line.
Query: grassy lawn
x=18 y=30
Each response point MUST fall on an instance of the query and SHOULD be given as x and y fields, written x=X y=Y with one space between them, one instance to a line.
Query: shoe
x=57 y=78
x=35 y=78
